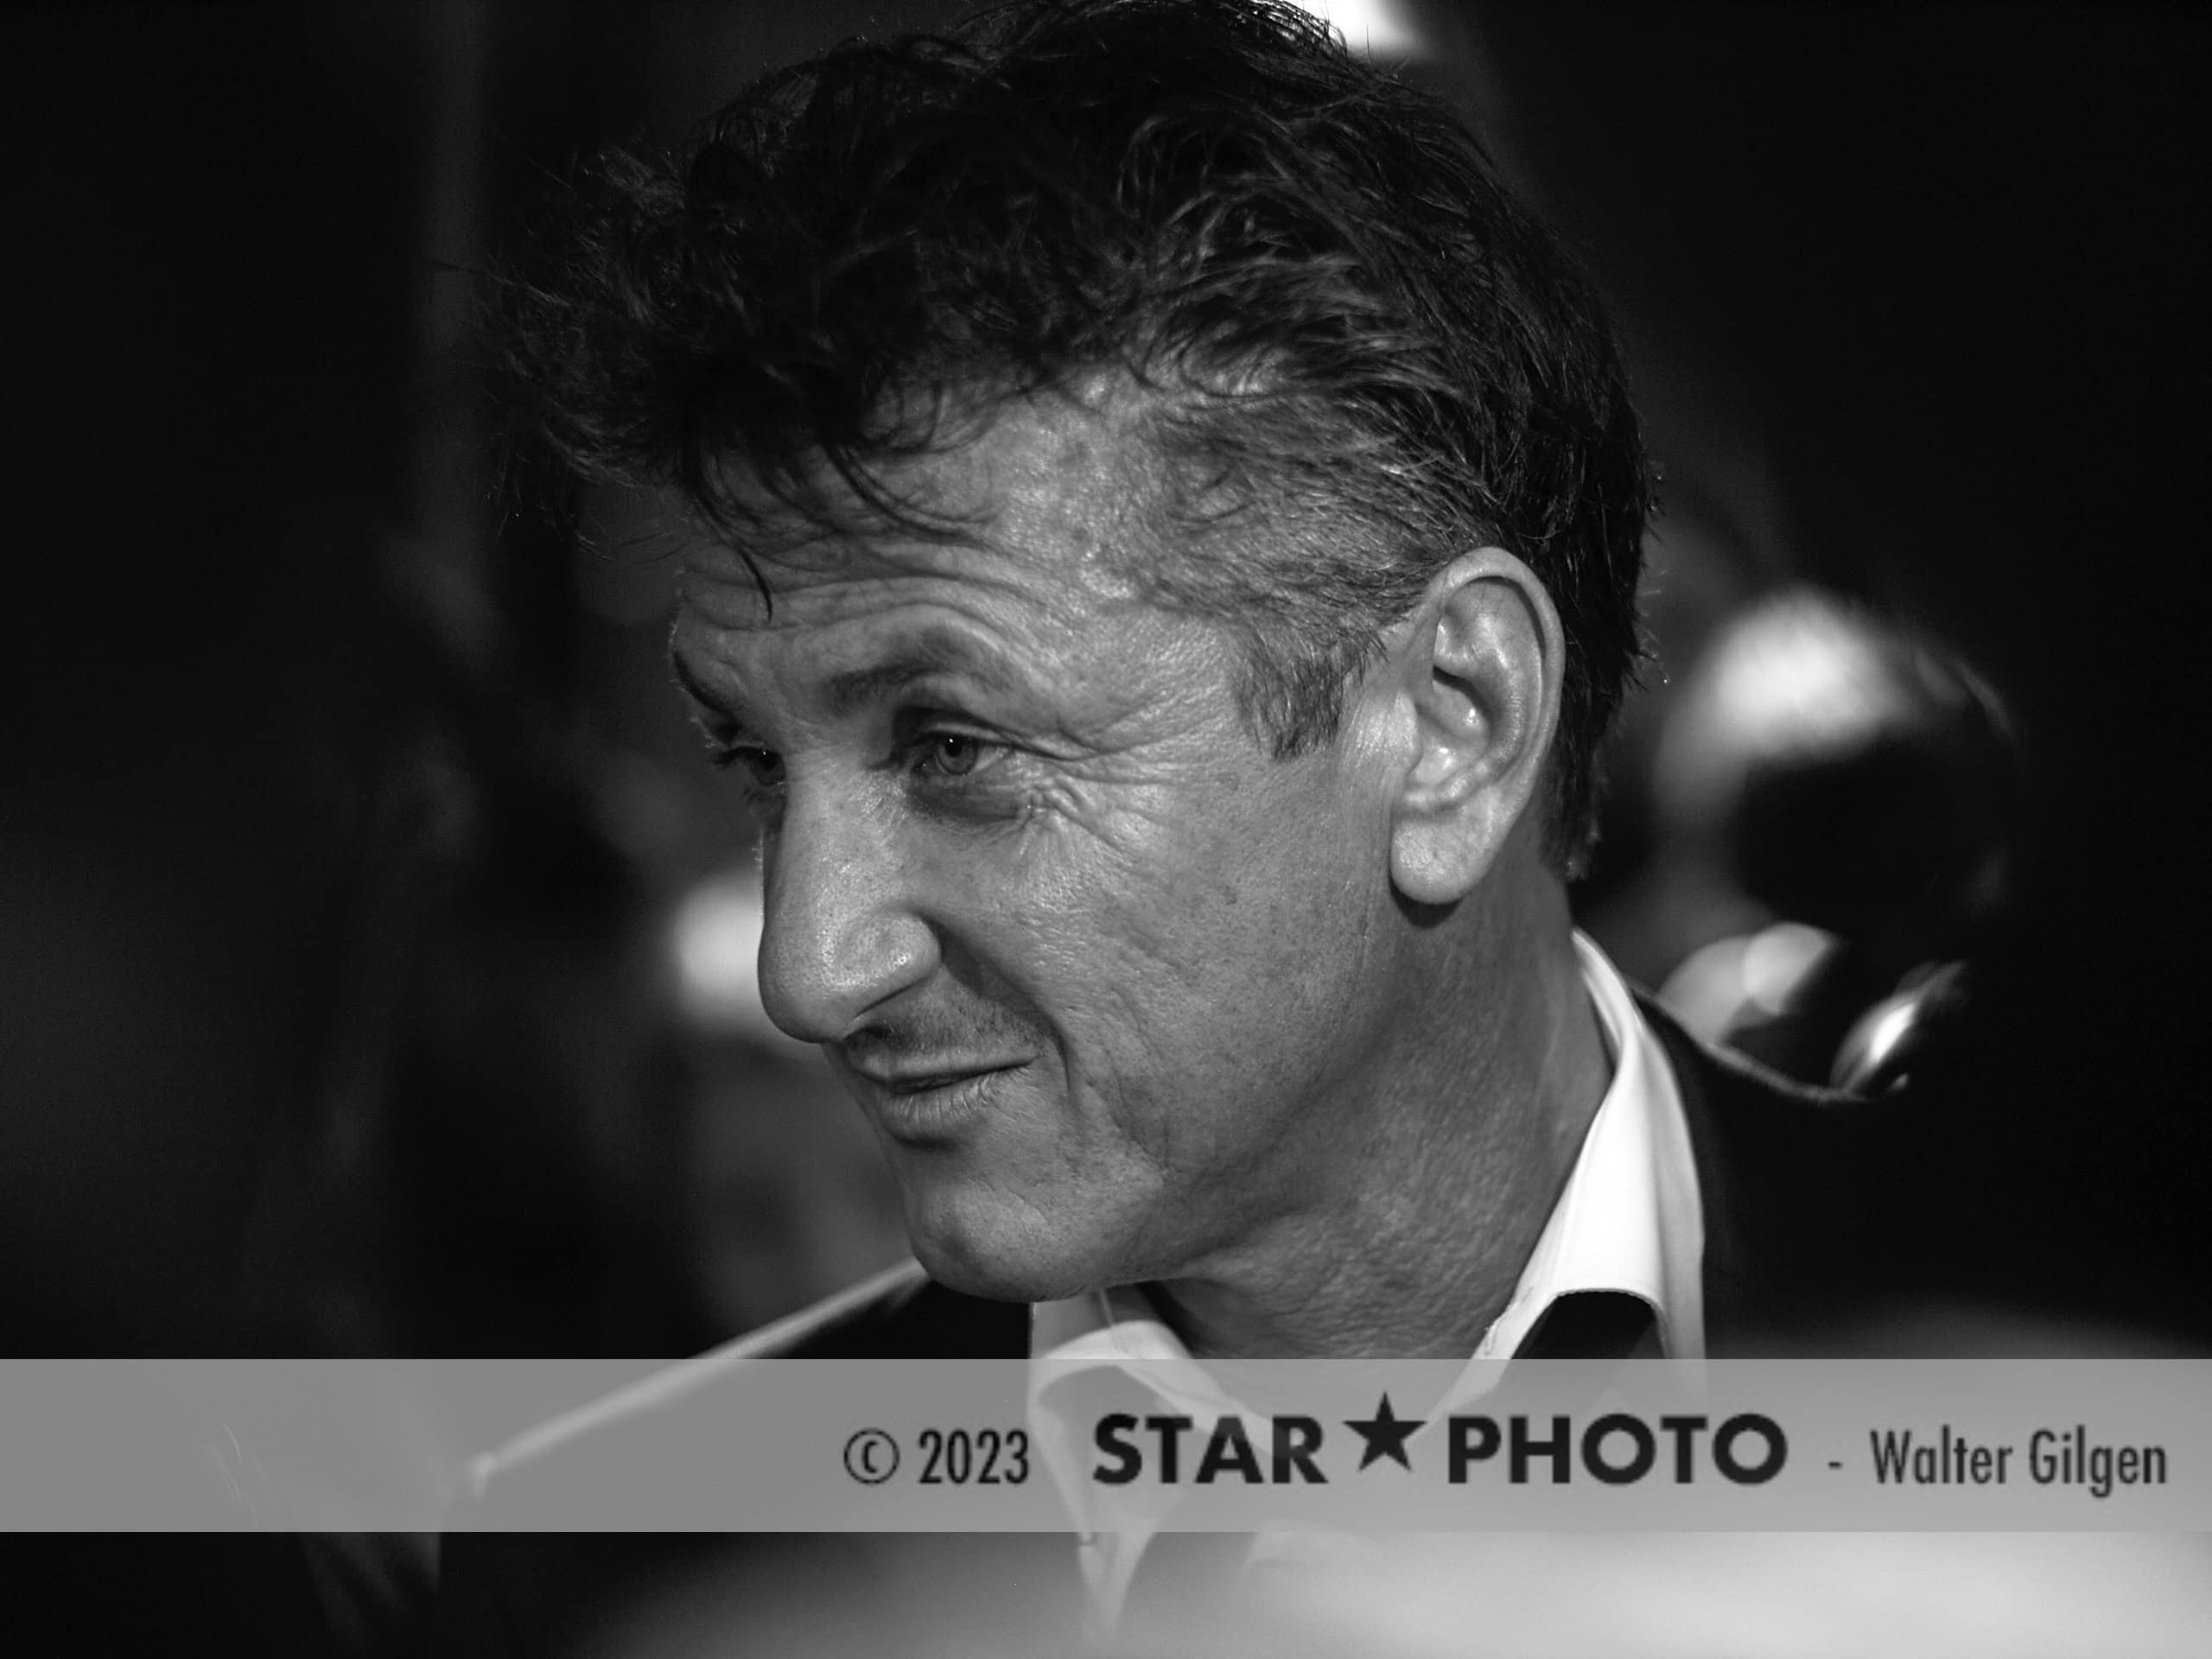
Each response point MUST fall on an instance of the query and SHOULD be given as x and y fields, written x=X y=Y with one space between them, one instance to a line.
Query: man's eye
x=949 y=754
x=762 y=768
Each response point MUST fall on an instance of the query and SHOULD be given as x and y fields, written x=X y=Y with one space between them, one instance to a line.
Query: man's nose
x=840 y=937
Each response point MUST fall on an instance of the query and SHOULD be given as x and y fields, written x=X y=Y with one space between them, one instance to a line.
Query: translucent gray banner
x=923 y=1445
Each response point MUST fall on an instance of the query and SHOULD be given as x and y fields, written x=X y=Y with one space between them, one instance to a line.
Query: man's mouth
x=936 y=1104
x=906 y=1081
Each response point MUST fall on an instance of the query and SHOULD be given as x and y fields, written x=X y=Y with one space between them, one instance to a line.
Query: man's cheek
x=1089 y=899
x=1076 y=819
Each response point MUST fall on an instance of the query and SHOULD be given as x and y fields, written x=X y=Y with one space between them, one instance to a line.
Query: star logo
x=1385 y=1435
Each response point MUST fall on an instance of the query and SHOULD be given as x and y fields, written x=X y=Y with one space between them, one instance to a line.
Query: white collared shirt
x=1629 y=1220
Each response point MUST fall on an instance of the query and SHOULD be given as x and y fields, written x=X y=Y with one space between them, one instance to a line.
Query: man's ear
x=1480 y=675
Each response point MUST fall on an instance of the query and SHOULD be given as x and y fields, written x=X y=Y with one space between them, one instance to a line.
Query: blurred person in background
x=1854 y=789
x=341 y=1023
x=1162 y=527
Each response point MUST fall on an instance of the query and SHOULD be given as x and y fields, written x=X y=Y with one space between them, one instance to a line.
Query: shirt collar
x=1629 y=1220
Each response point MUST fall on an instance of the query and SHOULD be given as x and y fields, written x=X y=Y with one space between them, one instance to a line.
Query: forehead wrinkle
x=1062 y=533
x=887 y=657
x=1078 y=467
x=931 y=650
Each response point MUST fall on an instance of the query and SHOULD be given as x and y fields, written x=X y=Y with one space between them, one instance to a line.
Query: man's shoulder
x=1729 y=1097
x=1815 y=1200
x=1756 y=1132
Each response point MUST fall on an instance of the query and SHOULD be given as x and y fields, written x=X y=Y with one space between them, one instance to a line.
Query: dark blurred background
x=375 y=960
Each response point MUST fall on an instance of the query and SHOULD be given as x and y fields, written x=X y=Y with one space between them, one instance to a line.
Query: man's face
x=1103 y=974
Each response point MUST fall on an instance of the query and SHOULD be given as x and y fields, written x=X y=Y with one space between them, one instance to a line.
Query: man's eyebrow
x=696 y=687
x=934 y=653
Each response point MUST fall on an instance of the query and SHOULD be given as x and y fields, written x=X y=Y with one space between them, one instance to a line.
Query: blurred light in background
x=715 y=936
x=1810 y=1595
x=1766 y=972
x=1370 y=26
x=1797 y=678
x=1836 y=795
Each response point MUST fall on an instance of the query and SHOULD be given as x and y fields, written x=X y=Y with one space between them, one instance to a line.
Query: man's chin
x=980 y=1263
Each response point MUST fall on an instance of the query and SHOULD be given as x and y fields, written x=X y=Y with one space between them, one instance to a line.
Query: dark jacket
x=1806 y=1196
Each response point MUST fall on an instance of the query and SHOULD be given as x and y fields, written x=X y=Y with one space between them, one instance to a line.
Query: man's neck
x=1417 y=1250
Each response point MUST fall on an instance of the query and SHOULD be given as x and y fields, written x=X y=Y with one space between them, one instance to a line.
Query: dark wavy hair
x=1354 y=354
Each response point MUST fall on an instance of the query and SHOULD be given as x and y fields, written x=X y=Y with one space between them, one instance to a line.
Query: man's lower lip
x=939 y=1112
